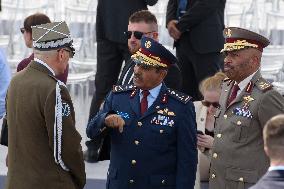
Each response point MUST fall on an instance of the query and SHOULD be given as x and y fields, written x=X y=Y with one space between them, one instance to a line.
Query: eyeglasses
x=67 y=50
x=208 y=104
x=137 y=34
x=22 y=30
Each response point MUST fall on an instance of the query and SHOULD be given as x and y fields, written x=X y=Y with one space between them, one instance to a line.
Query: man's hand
x=205 y=141
x=172 y=29
x=115 y=121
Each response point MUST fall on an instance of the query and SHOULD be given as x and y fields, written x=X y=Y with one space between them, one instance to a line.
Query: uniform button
x=226 y=90
x=219 y=135
x=215 y=155
x=133 y=162
x=131 y=181
x=241 y=179
x=139 y=124
x=136 y=142
x=239 y=123
x=163 y=182
x=213 y=176
x=161 y=131
x=225 y=116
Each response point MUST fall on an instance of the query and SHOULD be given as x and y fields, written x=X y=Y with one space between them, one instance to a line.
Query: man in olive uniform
x=152 y=128
x=44 y=147
x=247 y=102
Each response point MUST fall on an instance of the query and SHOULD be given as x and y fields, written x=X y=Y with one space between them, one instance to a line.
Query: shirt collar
x=278 y=167
x=43 y=63
x=153 y=92
x=242 y=85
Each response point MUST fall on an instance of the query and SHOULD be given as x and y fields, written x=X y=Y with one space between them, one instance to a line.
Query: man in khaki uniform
x=44 y=147
x=247 y=102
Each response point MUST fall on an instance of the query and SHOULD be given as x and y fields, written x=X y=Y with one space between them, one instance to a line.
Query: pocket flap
x=241 y=175
x=162 y=180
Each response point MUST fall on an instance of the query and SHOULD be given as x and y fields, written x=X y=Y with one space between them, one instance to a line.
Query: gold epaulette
x=264 y=85
x=122 y=88
x=179 y=96
x=226 y=79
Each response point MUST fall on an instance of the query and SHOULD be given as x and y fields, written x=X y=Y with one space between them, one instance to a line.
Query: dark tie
x=181 y=8
x=144 y=102
x=234 y=93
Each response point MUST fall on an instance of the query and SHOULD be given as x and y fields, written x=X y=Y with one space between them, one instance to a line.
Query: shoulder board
x=179 y=96
x=263 y=85
x=122 y=88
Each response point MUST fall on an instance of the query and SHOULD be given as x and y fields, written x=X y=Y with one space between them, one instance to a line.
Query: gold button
x=161 y=131
x=163 y=182
x=213 y=176
x=133 y=162
x=225 y=116
x=139 y=124
x=136 y=142
x=215 y=155
x=131 y=181
x=219 y=135
x=241 y=179
x=239 y=123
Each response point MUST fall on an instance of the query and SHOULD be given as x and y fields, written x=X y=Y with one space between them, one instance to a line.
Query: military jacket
x=31 y=117
x=238 y=158
x=156 y=150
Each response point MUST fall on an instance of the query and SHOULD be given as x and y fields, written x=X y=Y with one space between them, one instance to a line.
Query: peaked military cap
x=153 y=54
x=239 y=38
x=52 y=36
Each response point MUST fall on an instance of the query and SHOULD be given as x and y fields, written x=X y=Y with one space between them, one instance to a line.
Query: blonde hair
x=212 y=83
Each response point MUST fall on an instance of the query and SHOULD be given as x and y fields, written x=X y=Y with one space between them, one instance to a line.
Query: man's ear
x=266 y=150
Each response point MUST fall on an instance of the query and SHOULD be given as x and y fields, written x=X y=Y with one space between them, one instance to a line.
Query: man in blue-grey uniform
x=152 y=127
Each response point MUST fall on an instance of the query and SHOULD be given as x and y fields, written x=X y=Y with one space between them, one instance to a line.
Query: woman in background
x=33 y=20
x=210 y=88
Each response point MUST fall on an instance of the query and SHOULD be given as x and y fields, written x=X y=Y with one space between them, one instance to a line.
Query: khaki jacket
x=238 y=159
x=31 y=116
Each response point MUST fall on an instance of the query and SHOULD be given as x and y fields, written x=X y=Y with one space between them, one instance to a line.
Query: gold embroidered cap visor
x=153 y=54
x=239 y=38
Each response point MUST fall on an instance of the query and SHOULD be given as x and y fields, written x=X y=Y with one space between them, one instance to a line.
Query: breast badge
x=123 y=114
x=244 y=110
x=164 y=118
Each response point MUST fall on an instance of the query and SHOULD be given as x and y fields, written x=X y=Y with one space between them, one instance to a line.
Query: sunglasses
x=208 y=104
x=137 y=34
x=22 y=30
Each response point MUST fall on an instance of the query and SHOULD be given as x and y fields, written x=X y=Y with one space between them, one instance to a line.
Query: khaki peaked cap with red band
x=153 y=54
x=239 y=38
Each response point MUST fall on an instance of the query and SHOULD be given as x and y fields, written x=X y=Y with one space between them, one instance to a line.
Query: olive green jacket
x=31 y=115
x=238 y=158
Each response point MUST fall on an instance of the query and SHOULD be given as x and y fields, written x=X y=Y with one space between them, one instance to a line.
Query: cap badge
x=148 y=44
x=228 y=32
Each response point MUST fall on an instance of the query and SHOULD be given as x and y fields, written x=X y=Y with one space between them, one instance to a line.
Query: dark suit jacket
x=202 y=25
x=271 y=180
x=156 y=150
x=172 y=80
x=113 y=15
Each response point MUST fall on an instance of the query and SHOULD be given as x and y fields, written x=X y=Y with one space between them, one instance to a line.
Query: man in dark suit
x=273 y=136
x=152 y=128
x=112 y=50
x=196 y=26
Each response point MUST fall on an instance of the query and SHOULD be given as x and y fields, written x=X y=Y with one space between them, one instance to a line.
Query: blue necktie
x=181 y=8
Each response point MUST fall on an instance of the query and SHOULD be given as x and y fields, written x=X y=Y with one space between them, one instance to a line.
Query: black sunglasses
x=22 y=30
x=137 y=34
x=208 y=104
